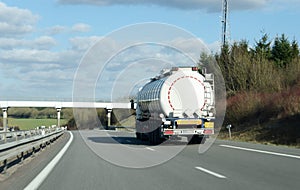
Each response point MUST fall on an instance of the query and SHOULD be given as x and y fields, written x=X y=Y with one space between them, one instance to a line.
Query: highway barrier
x=17 y=145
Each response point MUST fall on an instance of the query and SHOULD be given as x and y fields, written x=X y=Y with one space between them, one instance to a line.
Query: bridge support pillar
x=58 y=110
x=108 y=117
x=4 y=112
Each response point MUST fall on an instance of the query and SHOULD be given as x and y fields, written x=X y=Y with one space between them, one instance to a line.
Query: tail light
x=208 y=132
x=168 y=132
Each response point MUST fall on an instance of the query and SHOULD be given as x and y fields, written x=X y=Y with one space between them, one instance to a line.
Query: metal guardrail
x=21 y=143
x=6 y=137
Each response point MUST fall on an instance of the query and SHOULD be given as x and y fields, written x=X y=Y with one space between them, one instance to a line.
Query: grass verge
x=26 y=124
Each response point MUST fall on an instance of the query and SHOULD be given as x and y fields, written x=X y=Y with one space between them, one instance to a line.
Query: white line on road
x=211 y=172
x=261 y=151
x=148 y=148
x=38 y=180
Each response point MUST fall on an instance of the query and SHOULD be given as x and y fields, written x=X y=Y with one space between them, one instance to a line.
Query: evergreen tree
x=282 y=51
x=295 y=49
x=263 y=48
x=225 y=65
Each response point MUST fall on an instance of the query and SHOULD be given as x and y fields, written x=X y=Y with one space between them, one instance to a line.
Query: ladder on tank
x=209 y=94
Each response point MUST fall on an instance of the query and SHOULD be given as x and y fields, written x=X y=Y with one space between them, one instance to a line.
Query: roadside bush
x=248 y=109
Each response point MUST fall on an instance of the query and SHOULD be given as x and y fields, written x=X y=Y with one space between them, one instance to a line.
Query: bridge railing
x=17 y=144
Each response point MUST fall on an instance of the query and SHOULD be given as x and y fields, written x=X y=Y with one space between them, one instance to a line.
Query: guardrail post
x=4 y=166
x=21 y=157
x=33 y=152
x=58 y=109
x=4 y=113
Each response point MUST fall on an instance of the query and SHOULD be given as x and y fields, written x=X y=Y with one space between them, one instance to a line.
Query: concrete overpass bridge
x=58 y=105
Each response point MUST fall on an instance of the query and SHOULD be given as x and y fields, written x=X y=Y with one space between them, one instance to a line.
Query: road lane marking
x=150 y=148
x=211 y=172
x=38 y=180
x=261 y=151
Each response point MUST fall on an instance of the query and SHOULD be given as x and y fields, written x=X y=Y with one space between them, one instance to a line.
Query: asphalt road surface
x=116 y=160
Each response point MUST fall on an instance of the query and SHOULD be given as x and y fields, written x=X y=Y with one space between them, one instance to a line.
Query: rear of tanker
x=179 y=102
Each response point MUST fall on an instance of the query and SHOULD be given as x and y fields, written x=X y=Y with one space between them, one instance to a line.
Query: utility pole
x=224 y=22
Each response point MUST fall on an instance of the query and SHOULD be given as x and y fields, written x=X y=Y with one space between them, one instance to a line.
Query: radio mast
x=224 y=22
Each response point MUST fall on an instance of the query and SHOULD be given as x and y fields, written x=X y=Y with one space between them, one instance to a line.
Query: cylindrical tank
x=181 y=92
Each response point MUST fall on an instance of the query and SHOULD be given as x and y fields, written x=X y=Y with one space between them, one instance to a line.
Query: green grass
x=26 y=124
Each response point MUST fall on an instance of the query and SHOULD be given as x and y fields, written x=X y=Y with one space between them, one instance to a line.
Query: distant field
x=26 y=124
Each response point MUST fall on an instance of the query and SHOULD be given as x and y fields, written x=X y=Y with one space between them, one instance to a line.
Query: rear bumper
x=202 y=131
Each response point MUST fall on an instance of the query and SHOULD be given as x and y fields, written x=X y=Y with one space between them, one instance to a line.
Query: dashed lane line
x=148 y=148
x=211 y=172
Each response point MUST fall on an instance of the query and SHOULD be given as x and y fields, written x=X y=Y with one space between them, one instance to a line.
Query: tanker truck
x=179 y=102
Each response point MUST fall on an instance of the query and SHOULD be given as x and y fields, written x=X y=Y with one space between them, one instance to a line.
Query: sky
x=61 y=49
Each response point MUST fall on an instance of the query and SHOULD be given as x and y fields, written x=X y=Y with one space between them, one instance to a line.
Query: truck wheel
x=154 y=137
x=138 y=135
x=143 y=136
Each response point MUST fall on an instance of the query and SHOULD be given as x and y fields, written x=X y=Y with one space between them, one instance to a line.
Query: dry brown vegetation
x=263 y=90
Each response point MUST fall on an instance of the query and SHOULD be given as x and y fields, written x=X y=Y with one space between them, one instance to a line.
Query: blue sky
x=42 y=43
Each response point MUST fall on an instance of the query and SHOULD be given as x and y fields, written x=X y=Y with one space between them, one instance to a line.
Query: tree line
x=38 y=113
x=271 y=65
x=262 y=83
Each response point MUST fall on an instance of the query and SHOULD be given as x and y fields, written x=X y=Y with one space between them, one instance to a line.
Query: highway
x=226 y=165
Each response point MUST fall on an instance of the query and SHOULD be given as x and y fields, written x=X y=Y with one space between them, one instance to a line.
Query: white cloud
x=110 y=58
x=9 y=43
x=16 y=21
x=81 y=27
x=37 y=73
x=35 y=68
x=83 y=43
x=27 y=56
x=46 y=73
x=207 y=5
x=57 y=29
x=192 y=47
x=43 y=42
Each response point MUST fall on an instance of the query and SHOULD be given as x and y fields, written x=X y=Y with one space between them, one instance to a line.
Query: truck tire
x=155 y=126
x=138 y=135
x=139 y=131
x=154 y=137
x=143 y=136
